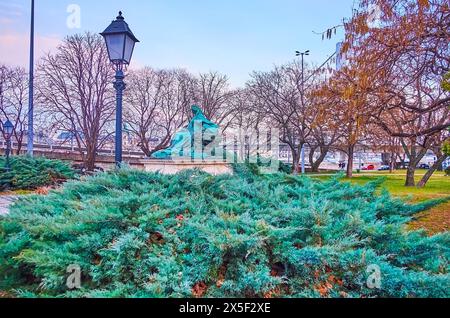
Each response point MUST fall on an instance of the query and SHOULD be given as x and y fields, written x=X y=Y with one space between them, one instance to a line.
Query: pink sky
x=15 y=47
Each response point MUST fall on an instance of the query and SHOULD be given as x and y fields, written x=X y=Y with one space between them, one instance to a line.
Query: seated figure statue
x=185 y=143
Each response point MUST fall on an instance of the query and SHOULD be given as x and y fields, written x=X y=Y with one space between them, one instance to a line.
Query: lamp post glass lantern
x=8 y=129
x=120 y=42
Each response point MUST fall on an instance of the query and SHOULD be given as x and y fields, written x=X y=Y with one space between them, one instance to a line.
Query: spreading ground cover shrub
x=29 y=173
x=137 y=234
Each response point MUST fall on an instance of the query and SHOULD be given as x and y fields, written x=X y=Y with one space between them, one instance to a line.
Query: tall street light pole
x=31 y=87
x=302 y=54
x=120 y=42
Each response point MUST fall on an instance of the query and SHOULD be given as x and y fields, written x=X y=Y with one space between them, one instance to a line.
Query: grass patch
x=16 y=193
x=435 y=220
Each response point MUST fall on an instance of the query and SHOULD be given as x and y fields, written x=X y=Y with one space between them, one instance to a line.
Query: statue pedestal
x=173 y=167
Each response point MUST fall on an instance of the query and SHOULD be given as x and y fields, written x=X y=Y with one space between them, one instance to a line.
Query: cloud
x=5 y=21
x=15 y=47
x=12 y=9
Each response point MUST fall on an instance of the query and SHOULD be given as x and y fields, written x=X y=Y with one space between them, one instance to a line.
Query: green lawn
x=16 y=192
x=435 y=220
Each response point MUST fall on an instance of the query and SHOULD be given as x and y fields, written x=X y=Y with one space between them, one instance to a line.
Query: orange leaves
x=348 y=92
x=423 y=4
x=364 y=82
x=156 y=238
x=324 y=288
x=42 y=191
x=360 y=24
x=220 y=282
x=335 y=280
x=221 y=276
x=345 y=47
x=274 y=293
x=199 y=289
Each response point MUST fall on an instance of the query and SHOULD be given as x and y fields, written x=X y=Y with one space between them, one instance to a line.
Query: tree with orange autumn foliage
x=397 y=54
x=348 y=90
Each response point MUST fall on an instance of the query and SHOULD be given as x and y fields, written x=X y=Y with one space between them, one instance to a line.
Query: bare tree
x=246 y=124
x=282 y=98
x=325 y=130
x=157 y=105
x=14 y=101
x=213 y=95
x=75 y=84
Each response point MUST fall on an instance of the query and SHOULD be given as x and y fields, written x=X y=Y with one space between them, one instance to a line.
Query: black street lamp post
x=8 y=129
x=302 y=54
x=120 y=42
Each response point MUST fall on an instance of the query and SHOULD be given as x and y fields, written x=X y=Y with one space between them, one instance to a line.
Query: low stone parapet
x=170 y=167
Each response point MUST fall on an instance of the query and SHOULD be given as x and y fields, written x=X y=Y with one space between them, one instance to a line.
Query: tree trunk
x=385 y=158
x=311 y=157
x=392 y=163
x=90 y=158
x=19 y=140
x=90 y=162
x=145 y=149
x=316 y=165
x=414 y=160
x=422 y=183
x=296 y=163
x=410 y=175
x=351 y=153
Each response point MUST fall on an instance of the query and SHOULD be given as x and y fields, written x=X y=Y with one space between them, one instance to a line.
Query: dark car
x=424 y=166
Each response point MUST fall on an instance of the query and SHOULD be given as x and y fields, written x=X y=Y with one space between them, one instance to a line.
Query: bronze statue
x=183 y=143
